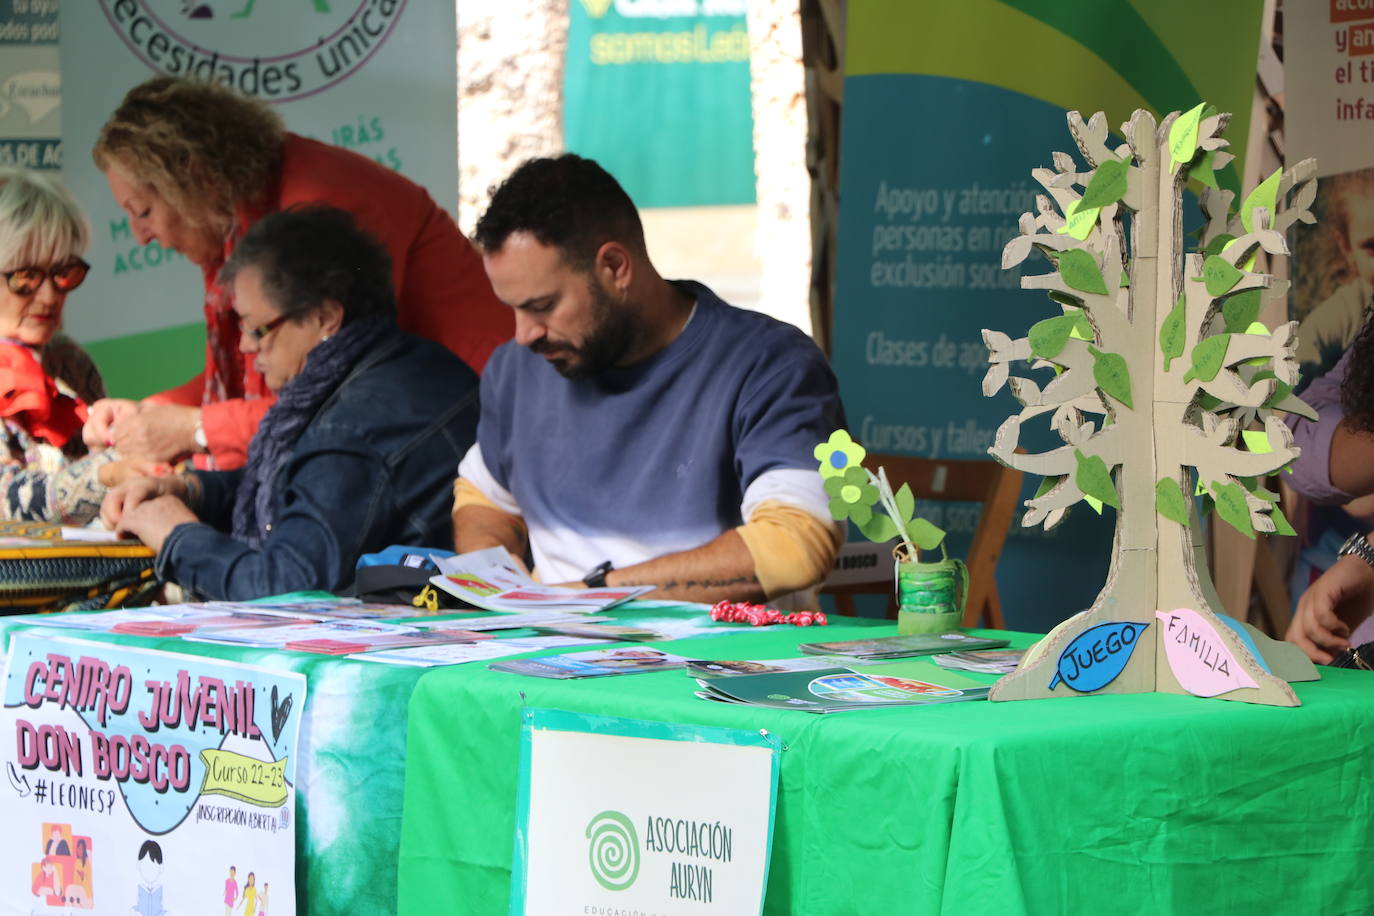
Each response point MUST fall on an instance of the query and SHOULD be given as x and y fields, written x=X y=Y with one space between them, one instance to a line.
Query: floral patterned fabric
x=38 y=480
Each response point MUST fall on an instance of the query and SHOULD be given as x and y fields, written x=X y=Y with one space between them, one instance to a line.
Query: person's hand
x=132 y=493
x=153 y=519
x=101 y=418
x=157 y=432
x=117 y=472
x=1331 y=609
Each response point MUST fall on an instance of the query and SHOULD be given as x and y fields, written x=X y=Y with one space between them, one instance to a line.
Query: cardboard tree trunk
x=1161 y=386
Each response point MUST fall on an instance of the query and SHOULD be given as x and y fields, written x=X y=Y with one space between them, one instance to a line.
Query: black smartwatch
x=597 y=577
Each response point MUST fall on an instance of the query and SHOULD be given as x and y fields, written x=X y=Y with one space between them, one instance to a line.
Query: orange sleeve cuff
x=792 y=549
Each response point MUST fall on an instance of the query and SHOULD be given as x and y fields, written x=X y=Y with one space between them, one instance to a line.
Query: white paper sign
x=635 y=817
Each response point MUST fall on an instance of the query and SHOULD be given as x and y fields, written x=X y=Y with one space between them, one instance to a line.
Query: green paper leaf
x=879 y=528
x=1082 y=327
x=906 y=503
x=1080 y=272
x=1111 y=375
x=1079 y=220
x=1281 y=525
x=1266 y=195
x=1256 y=441
x=1204 y=172
x=1172 y=332
x=1107 y=186
x=1241 y=310
x=1218 y=244
x=1170 y=501
x=1208 y=357
x=1047 y=338
x=1259 y=330
x=1093 y=478
x=1125 y=279
x=1183 y=134
x=1094 y=504
x=924 y=535
x=1046 y=485
x=1231 y=506
x=1219 y=275
x=1207 y=402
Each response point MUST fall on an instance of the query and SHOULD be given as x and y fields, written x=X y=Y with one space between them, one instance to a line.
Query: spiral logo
x=613 y=850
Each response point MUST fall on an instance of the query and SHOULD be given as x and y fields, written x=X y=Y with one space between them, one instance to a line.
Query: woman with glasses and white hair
x=46 y=380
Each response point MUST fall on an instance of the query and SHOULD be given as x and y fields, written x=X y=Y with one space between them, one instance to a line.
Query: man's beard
x=614 y=329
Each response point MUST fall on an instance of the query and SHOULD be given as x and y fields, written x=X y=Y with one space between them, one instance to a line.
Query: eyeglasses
x=25 y=281
x=262 y=331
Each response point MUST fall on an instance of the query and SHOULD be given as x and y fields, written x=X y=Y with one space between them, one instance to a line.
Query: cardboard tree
x=1161 y=385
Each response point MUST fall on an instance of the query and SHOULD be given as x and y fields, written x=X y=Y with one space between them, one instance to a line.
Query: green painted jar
x=930 y=596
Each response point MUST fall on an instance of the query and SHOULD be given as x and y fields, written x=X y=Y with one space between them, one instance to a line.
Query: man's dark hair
x=151 y=850
x=311 y=253
x=568 y=203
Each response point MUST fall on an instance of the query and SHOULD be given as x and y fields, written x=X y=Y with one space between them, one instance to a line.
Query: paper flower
x=855 y=492
x=851 y=496
x=839 y=454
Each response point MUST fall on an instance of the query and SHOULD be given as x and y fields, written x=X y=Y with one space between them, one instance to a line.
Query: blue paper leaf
x=1097 y=656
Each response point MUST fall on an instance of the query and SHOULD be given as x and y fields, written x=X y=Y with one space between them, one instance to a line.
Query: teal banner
x=947 y=110
x=657 y=91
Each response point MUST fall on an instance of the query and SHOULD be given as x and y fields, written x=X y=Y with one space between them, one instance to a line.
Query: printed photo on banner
x=146 y=782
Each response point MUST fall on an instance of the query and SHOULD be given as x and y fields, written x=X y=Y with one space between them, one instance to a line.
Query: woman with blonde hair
x=46 y=380
x=195 y=165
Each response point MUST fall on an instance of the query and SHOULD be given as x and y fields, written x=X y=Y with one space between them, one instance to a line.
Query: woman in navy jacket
x=360 y=448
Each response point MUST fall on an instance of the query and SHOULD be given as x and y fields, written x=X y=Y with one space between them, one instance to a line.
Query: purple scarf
x=326 y=366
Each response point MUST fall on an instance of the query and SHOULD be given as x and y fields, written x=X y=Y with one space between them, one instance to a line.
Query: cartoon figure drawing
x=47 y=880
x=79 y=887
x=150 y=873
x=57 y=844
x=250 y=896
x=231 y=891
x=262 y=901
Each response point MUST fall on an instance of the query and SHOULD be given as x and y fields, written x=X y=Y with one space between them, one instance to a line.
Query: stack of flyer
x=911 y=683
x=489 y=579
x=903 y=646
x=986 y=661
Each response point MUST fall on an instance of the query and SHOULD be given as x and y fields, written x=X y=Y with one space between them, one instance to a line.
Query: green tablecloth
x=349 y=774
x=1114 y=804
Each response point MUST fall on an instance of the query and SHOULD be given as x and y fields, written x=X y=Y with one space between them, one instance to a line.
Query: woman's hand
x=152 y=520
x=157 y=432
x=101 y=419
x=117 y=472
x=129 y=495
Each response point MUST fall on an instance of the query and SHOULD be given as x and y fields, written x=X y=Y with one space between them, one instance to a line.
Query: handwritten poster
x=146 y=782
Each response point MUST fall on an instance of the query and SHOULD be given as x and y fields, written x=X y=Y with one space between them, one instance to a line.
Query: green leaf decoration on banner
x=1231 y=506
x=1170 y=501
x=1093 y=478
x=1079 y=220
x=924 y=535
x=1218 y=244
x=1046 y=485
x=1204 y=172
x=1082 y=327
x=1266 y=195
x=1281 y=525
x=1183 y=134
x=1219 y=275
x=1208 y=357
x=1173 y=333
x=1107 y=186
x=906 y=504
x=1111 y=375
x=1080 y=272
x=1094 y=504
x=879 y=528
x=1241 y=310
x=1047 y=338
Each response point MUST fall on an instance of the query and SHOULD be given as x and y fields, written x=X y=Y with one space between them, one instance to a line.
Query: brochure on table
x=145 y=781
x=918 y=682
x=630 y=841
x=489 y=579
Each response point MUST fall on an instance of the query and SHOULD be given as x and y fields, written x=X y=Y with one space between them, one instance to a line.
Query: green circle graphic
x=613 y=850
